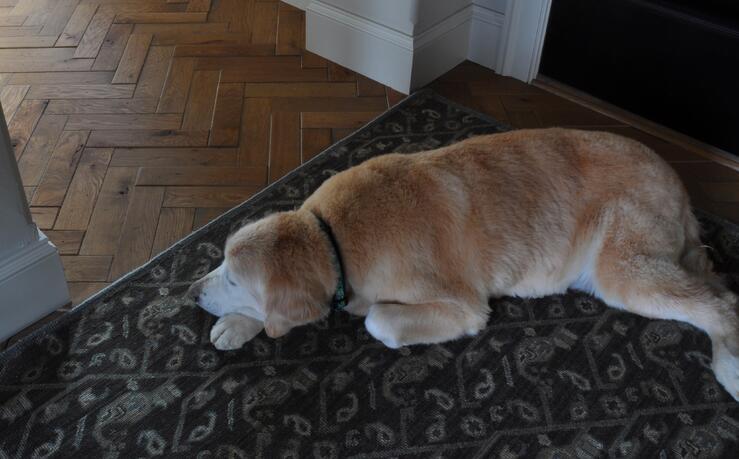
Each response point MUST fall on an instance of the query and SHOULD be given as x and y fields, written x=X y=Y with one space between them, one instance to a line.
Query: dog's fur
x=428 y=238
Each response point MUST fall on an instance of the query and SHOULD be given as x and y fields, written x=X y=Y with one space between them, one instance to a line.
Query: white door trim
x=523 y=36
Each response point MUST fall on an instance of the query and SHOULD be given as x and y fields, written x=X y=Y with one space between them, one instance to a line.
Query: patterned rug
x=131 y=372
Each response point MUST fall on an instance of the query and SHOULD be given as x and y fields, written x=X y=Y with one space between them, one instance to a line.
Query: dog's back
x=515 y=213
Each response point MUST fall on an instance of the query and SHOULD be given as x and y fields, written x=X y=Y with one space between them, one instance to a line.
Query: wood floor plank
x=329 y=104
x=369 y=87
x=207 y=196
x=102 y=106
x=81 y=91
x=42 y=60
x=199 y=5
x=337 y=72
x=57 y=19
x=174 y=157
x=313 y=61
x=154 y=73
x=264 y=28
x=80 y=291
x=11 y=97
x=238 y=13
x=337 y=120
x=225 y=50
x=34 y=159
x=38 y=41
x=174 y=224
x=227 y=115
x=160 y=18
x=7 y=21
x=246 y=62
x=68 y=242
x=394 y=97
x=21 y=31
x=148 y=138
x=86 y=268
x=300 y=89
x=103 y=232
x=133 y=58
x=290 y=32
x=44 y=217
x=271 y=73
x=112 y=48
x=75 y=28
x=83 y=190
x=177 y=86
x=255 y=132
x=58 y=175
x=28 y=192
x=184 y=36
x=124 y=121
x=94 y=35
x=205 y=215
x=284 y=153
x=314 y=141
x=139 y=230
x=202 y=100
x=34 y=78
x=23 y=124
x=180 y=34
x=199 y=176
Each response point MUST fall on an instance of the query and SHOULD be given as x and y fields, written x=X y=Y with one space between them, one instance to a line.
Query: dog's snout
x=194 y=291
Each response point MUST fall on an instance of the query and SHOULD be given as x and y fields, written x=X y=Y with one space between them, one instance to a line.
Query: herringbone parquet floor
x=136 y=121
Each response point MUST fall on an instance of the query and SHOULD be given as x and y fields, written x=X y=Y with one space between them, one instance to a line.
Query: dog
x=418 y=244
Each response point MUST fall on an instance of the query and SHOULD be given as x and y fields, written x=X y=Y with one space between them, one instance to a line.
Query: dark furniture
x=675 y=62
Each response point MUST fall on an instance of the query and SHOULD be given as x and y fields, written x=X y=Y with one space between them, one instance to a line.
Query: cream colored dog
x=426 y=239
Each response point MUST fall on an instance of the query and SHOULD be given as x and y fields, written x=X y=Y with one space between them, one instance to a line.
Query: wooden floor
x=136 y=121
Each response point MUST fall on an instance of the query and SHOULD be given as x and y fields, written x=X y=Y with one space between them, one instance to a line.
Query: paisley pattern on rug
x=131 y=372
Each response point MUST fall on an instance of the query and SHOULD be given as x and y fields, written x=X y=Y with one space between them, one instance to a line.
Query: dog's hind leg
x=399 y=325
x=641 y=274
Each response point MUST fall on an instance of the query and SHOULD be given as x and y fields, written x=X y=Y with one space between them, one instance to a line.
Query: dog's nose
x=194 y=291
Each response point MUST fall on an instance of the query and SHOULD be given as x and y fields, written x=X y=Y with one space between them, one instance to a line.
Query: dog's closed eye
x=228 y=279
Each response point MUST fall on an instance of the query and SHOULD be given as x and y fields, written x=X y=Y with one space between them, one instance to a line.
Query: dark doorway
x=675 y=62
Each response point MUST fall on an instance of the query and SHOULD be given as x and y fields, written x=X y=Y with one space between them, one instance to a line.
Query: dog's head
x=277 y=270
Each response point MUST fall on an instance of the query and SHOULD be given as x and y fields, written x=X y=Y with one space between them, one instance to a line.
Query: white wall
x=32 y=280
x=395 y=14
x=406 y=44
x=16 y=228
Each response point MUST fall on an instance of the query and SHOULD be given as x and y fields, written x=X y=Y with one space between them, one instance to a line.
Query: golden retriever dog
x=418 y=243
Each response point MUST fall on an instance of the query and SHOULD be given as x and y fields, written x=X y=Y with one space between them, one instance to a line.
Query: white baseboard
x=486 y=33
x=369 y=48
x=398 y=60
x=32 y=285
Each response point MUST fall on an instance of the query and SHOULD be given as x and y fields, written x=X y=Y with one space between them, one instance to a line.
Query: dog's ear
x=284 y=312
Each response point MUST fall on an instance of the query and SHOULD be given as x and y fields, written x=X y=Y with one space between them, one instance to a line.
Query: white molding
x=32 y=285
x=520 y=50
x=486 y=31
x=401 y=61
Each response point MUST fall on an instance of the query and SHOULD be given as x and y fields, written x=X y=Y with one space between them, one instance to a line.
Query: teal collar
x=338 y=302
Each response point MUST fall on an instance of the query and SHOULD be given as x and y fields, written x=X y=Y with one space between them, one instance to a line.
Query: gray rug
x=131 y=372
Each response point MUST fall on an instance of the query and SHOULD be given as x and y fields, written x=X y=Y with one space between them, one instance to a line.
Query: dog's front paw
x=382 y=329
x=233 y=330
